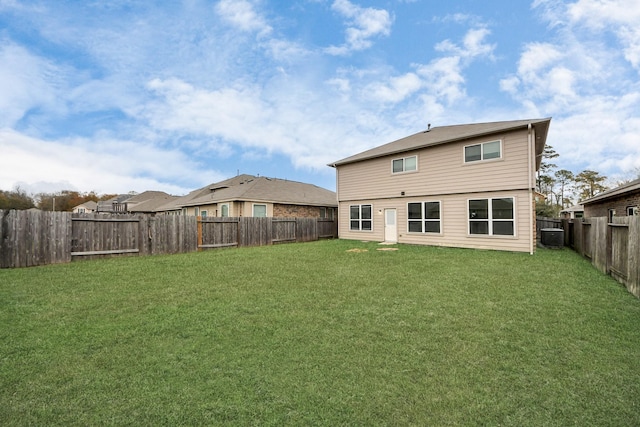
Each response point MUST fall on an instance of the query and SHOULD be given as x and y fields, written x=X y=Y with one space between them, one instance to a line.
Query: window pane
x=224 y=210
x=479 y=227
x=503 y=228
x=432 y=226
x=398 y=165
x=354 y=212
x=415 y=226
x=410 y=163
x=366 y=211
x=472 y=153
x=432 y=210
x=502 y=208
x=260 y=211
x=491 y=150
x=415 y=210
x=366 y=225
x=355 y=225
x=479 y=209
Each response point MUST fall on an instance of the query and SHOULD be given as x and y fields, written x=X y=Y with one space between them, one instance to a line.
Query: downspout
x=531 y=192
x=337 y=199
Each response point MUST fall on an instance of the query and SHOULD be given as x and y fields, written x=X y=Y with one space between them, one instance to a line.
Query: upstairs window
x=484 y=151
x=406 y=164
x=360 y=217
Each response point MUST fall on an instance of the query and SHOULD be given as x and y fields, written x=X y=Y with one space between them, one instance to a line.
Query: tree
x=545 y=186
x=16 y=199
x=589 y=183
x=564 y=178
x=545 y=165
x=65 y=200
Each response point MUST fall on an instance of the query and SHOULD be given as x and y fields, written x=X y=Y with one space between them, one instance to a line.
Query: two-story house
x=470 y=186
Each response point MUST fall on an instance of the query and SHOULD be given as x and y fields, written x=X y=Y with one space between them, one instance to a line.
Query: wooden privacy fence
x=30 y=238
x=216 y=232
x=612 y=247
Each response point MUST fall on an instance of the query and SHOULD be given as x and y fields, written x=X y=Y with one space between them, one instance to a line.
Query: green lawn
x=310 y=334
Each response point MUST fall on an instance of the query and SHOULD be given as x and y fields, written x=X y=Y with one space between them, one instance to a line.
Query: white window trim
x=482 y=159
x=490 y=220
x=404 y=159
x=430 y=233
x=253 y=209
x=360 y=230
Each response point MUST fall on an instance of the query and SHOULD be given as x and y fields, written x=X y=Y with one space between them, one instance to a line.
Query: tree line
x=563 y=188
x=64 y=200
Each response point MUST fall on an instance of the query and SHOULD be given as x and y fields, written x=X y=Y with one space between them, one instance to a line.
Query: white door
x=390 y=227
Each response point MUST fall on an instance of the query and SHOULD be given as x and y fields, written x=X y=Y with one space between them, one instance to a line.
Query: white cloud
x=398 y=88
x=363 y=25
x=243 y=15
x=588 y=87
x=104 y=165
x=473 y=45
x=25 y=83
x=620 y=17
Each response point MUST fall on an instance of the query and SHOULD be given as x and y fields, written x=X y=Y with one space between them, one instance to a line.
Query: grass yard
x=311 y=334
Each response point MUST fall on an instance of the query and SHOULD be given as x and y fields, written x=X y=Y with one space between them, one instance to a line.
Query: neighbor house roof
x=614 y=192
x=90 y=204
x=257 y=189
x=444 y=134
x=574 y=208
x=148 y=201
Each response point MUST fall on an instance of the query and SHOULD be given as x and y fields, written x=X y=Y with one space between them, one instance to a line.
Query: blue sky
x=119 y=96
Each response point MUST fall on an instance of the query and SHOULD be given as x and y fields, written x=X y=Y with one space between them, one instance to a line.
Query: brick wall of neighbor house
x=295 y=211
x=620 y=204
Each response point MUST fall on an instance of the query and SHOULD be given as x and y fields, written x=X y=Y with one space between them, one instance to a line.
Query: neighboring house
x=114 y=205
x=251 y=196
x=573 y=212
x=470 y=186
x=146 y=202
x=86 y=207
x=620 y=201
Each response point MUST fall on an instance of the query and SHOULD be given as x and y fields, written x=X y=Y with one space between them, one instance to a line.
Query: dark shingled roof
x=614 y=192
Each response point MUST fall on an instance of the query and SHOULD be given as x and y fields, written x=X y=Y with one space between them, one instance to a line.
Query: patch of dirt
x=387 y=249
x=356 y=250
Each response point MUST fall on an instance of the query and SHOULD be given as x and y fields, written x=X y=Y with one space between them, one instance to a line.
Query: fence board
x=619 y=248
x=633 y=277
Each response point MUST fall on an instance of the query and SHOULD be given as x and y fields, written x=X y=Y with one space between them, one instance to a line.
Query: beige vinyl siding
x=454 y=222
x=441 y=170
